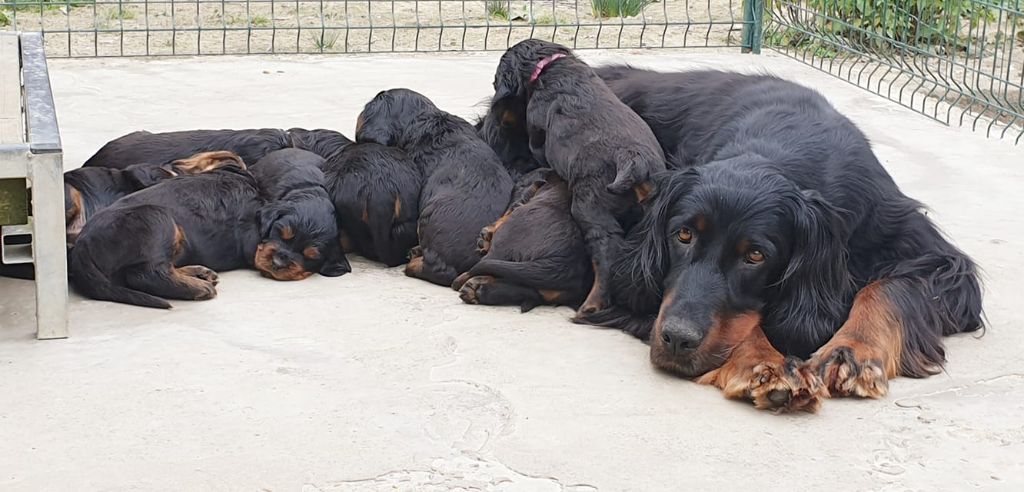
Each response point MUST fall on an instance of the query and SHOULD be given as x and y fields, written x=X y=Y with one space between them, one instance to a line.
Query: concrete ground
x=376 y=381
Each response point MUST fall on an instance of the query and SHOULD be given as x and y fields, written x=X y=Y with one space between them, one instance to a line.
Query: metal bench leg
x=49 y=245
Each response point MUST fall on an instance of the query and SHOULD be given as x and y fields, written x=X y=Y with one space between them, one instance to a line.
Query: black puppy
x=166 y=241
x=87 y=190
x=465 y=185
x=324 y=143
x=790 y=240
x=298 y=228
x=580 y=129
x=163 y=148
x=376 y=193
x=535 y=253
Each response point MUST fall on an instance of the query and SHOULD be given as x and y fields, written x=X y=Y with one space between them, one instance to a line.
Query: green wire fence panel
x=200 y=27
x=957 y=61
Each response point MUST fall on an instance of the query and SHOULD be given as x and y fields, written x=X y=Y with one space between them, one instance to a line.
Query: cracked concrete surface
x=375 y=381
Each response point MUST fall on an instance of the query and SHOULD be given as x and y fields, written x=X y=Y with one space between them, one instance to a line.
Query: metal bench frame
x=38 y=158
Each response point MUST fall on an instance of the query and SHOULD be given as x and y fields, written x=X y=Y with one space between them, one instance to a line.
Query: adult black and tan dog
x=376 y=193
x=298 y=227
x=465 y=185
x=579 y=128
x=167 y=241
x=534 y=254
x=163 y=148
x=786 y=238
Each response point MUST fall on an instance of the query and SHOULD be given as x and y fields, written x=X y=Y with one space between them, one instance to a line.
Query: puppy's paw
x=847 y=373
x=483 y=243
x=201 y=272
x=474 y=289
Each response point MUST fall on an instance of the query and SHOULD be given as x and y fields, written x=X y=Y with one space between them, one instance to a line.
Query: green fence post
x=753 y=25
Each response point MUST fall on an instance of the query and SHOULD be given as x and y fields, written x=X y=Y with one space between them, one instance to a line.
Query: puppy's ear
x=335 y=263
x=812 y=292
x=145 y=175
x=378 y=122
x=268 y=215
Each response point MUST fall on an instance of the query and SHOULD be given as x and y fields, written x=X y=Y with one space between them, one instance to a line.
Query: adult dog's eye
x=754 y=257
x=685 y=235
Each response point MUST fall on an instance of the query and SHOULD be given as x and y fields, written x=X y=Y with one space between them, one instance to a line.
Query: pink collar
x=541 y=65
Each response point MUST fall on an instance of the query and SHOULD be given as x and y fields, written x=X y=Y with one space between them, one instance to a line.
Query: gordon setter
x=298 y=228
x=87 y=190
x=376 y=192
x=162 y=148
x=786 y=240
x=167 y=241
x=534 y=254
x=465 y=185
x=597 y=144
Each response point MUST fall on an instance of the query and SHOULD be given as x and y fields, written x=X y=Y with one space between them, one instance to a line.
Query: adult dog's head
x=729 y=246
x=388 y=118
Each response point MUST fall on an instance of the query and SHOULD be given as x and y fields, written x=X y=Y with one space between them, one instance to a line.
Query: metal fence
x=89 y=28
x=957 y=61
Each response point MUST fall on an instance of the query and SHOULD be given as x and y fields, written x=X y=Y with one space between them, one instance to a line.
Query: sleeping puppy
x=602 y=149
x=324 y=143
x=376 y=193
x=163 y=148
x=536 y=255
x=298 y=229
x=167 y=241
x=88 y=190
x=465 y=185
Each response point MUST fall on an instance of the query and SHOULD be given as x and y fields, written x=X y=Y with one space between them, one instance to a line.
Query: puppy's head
x=728 y=247
x=504 y=129
x=517 y=65
x=387 y=117
x=299 y=237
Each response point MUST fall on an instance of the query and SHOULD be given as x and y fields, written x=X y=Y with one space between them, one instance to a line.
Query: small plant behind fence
x=957 y=61
x=87 y=28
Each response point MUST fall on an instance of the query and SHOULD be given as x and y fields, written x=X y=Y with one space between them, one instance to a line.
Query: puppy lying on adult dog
x=597 y=144
x=163 y=148
x=534 y=254
x=169 y=240
x=786 y=240
x=465 y=186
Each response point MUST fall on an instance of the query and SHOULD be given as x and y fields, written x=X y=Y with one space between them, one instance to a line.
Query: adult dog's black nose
x=679 y=336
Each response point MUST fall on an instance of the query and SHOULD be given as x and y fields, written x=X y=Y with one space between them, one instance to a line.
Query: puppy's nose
x=678 y=335
x=280 y=263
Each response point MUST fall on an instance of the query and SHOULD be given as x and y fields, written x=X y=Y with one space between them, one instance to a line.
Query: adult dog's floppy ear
x=812 y=292
x=335 y=263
